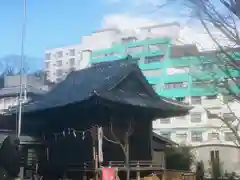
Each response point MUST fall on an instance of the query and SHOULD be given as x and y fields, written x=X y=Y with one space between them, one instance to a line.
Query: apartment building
x=185 y=74
x=60 y=61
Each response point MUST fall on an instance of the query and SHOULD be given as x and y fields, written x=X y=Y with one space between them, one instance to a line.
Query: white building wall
x=100 y=39
x=60 y=61
x=229 y=153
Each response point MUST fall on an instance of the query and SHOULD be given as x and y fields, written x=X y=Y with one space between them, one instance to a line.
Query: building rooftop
x=100 y=81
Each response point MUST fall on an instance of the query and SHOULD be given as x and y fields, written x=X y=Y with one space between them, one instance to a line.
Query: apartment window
x=201 y=84
x=98 y=55
x=47 y=65
x=229 y=136
x=196 y=136
x=72 y=61
x=213 y=136
x=166 y=135
x=211 y=97
x=182 y=137
x=151 y=59
x=234 y=81
x=179 y=70
x=180 y=117
x=59 y=72
x=229 y=117
x=196 y=117
x=135 y=59
x=157 y=47
x=135 y=49
x=196 y=100
x=152 y=72
x=47 y=74
x=48 y=56
x=165 y=121
x=208 y=66
x=129 y=39
x=59 y=54
x=59 y=63
x=112 y=54
x=72 y=52
x=175 y=85
x=180 y=99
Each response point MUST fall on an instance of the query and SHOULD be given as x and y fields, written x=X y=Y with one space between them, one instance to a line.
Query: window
x=48 y=56
x=179 y=70
x=211 y=97
x=157 y=47
x=229 y=64
x=207 y=66
x=47 y=73
x=152 y=72
x=72 y=61
x=229 y=136
x=166 y=135
x=229 y=117
x=182 y=137
x=180 y=117
x=196 y=117
x=175 y=85
x=59 y=72
x=129 y=39
x=135 y=49
x=135 y=59
x=234 y=81
x=213 y=136
x=180 y=99
x=59 y=63
x=201 y=84
x=47 y=64
x=196 y=100
x=59 y=54
x=165 y=121
x=151 y=59
x=196 y=136
x=112 y=54
x=72 y=52
x=98 y=55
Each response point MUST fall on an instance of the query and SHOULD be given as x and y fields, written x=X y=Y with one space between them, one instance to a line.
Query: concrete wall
x=229 y=157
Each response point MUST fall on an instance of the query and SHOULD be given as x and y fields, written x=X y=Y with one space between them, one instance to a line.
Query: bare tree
x=121 y=138
x=221 y=24
x=220 y=20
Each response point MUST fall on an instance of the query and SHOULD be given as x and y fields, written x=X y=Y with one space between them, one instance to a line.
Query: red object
x=109 y=173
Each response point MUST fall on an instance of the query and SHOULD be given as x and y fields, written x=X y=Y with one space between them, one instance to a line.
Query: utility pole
x=19 y=120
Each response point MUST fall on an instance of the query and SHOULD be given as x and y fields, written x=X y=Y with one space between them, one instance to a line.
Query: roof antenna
x=19 y=121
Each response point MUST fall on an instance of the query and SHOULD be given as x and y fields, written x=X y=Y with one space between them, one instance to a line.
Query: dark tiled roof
x=100 y=81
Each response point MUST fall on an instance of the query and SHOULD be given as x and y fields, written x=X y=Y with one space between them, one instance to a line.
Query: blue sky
x=50 y=23
x=56 y=23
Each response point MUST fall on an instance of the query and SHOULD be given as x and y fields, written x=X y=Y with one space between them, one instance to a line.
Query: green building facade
x=177 y=71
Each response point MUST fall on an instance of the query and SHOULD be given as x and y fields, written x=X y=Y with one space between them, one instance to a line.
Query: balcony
x=211 y=102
